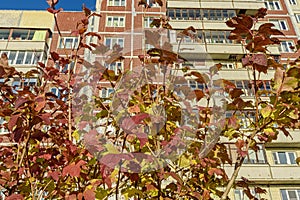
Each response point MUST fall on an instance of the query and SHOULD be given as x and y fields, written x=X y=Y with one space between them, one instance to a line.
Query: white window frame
x=20 y=57
x=147 y=21
x=228 y=66
x=57 y=92
x=285 y=194
x=287 y=155
x=151 y=3
x=3 y=130
x=105 y=93
x=297 y=15
x=280 y=24
x=65 y=68
x=256 y=157
x=115 y=21
x=273 y=5
x=64 y=42
x=293 y=2
x=111 y=41
x=116 y=2
x=285 y=46
x=240 y=195
x=115 y=66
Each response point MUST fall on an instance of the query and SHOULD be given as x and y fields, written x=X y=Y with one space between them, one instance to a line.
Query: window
x=240 y=195
x=253 y=157
x=296 y=15
x=3 y=130
x=196 y=14
x=228 y=66
x=116 y=66
x=59 y=93
x=280 y=24
x=284 y=157
x=106 y=94
x=285 y=46
x=22 y=34
x=64 y=69
x=4 y=34
x=116 y=2
x=216 y=36
x=256 y=156
x=287 y=194
x=23 y=57
x=245 y=85
x=68 y=42
x=19 y=84
x=115 y=21
x=272 y=5
x=111 y=42
x=152 y=3
x=195 y=85
x=293 y=2
x=148 y=21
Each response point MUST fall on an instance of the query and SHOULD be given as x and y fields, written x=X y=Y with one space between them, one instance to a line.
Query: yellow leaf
x=76 y=135
x=266 y=111
x=111 y=149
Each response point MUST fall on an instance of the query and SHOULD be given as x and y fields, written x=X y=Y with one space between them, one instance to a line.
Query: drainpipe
x=293 y=18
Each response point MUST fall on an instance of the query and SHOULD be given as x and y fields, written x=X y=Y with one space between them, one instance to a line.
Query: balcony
x=265 y=173
x=251 y=5
x=23 y=45
x=197 y=24
x=208 y=51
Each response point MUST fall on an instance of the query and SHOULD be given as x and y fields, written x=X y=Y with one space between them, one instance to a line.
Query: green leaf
x=289 y=84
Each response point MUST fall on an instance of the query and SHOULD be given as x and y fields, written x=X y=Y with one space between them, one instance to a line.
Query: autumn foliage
x=138 y=145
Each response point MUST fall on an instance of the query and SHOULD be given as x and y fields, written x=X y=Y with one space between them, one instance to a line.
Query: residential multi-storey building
x=273 y=166
x=124 y=23
x=25 y=38
x=28 y=36
x=283 y=14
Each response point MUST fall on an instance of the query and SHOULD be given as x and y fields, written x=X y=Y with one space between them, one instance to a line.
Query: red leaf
x=54 y=175
x=73 y=169
x=55 y=56
x=112 y=160
x=143 y=138
x=240 y=145
x=86 y=11
x=216 y=171
x=20 y=101
x=260 y=59
x=236 y=92
x=45 y=117
x=41 y=102
x=13 y=121
x=52 y=2
x=51 y=10
x=199 y=94
x=15 y=197
x=89 y=194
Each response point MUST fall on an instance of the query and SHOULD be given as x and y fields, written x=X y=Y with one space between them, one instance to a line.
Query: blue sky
x=42 y=5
